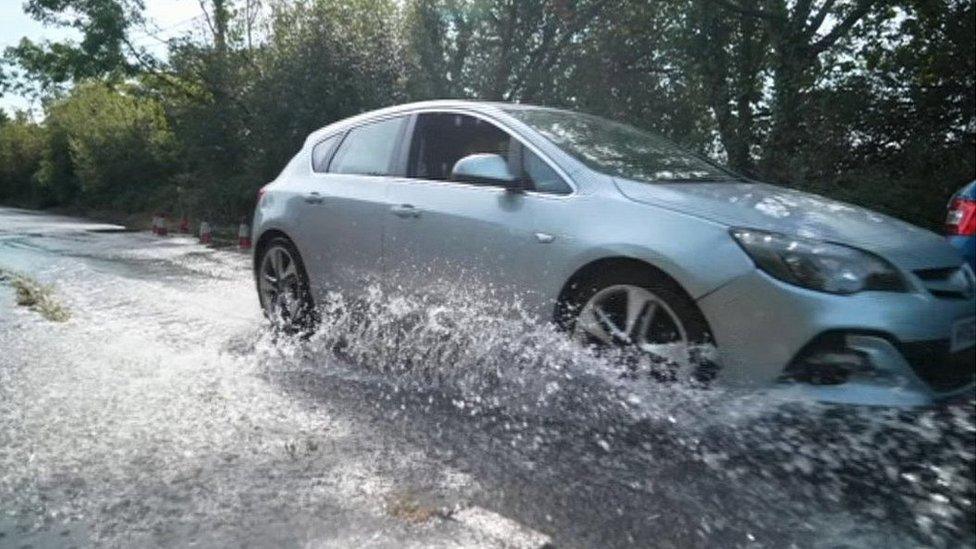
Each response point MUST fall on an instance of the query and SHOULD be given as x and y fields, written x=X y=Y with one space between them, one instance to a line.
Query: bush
x=22 y=145
x=107 y=148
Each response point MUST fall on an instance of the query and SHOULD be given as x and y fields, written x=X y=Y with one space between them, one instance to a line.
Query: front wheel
x=283 y=288
x=649 y=314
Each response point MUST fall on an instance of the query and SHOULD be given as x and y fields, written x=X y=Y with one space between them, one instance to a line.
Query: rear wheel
x=645 y=312
x=283 y=288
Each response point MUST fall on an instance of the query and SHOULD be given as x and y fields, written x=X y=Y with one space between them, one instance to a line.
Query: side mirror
x=486 y=169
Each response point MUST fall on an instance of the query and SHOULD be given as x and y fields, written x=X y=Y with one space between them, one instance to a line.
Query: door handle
x=314 y=198
x=405 y=210
x=544 y=238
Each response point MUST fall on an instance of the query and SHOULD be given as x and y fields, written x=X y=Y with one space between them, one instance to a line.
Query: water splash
x=909 y=472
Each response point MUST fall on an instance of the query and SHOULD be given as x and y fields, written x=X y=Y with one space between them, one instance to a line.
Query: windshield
x=618 y=149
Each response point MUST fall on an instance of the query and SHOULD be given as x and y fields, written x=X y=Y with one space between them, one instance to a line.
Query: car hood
x=787 y=211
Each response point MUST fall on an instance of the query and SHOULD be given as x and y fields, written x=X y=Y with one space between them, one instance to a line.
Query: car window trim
x=498 y=189
x=394 y=169
x=328 y=161
x=520 y=162
x=407 y=141
x=342 y=139
x=403 y=160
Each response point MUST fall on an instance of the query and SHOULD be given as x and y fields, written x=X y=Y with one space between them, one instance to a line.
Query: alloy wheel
x=630 y=316
x=283 y=292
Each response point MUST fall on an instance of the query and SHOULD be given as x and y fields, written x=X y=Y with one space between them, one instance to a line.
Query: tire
x=283 y=288
x=600 y=305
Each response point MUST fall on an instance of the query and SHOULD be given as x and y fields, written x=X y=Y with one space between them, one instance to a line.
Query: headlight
x=818 y=265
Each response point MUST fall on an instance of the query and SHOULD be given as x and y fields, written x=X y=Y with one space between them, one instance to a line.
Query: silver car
x=624 y=240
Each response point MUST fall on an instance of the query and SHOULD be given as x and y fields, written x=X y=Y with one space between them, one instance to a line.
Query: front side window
x=368 y=149
x=441 y=139
x=618 y=149
x=541 y=176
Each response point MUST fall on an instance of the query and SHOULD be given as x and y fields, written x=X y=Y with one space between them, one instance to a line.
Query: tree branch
x=801 y=12
x=206 y=16
x=750 y=12
x=152 y=69
x=819 y=18
x=842 y=28
x=542 y=58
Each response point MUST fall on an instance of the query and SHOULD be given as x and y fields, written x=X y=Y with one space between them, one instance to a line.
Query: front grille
x=951 y=283
x=935 y=365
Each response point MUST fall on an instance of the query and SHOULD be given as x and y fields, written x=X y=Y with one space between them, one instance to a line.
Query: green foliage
x=101 y=53
x=323 y=62
x=22 y=145
x=113 y=148
x=241 y=114
x=870 y=101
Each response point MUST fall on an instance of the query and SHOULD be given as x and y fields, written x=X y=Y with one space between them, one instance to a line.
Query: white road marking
x=505 y=531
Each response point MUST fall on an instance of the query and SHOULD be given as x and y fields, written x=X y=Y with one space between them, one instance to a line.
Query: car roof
x=487 y=107
x=968 y=191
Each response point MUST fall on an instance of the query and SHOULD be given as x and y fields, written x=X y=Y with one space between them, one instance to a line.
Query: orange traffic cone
x=206 y=233
x=244 y=236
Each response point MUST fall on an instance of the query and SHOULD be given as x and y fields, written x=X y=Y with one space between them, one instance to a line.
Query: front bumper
x=966 y=245
x=761 y=325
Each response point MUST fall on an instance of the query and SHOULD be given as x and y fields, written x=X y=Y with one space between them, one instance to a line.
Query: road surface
x=163 y=412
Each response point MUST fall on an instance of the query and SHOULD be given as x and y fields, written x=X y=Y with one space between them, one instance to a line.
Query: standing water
x=163 y=411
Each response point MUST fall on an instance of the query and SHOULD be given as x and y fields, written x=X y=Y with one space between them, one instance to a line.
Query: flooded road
x=163 y=412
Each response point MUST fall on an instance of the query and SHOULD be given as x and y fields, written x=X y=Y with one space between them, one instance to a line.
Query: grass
x=36 y=297
x=408 y=509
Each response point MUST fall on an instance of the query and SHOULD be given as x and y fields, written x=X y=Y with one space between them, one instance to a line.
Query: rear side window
x=543 y=178
x=322 y=152
x=368 y=149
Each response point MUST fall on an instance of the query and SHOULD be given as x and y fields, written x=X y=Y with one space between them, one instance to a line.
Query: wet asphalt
x=164 y=412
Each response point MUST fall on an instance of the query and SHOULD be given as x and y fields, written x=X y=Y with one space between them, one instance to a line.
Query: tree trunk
x=787 y=134
x=220 y=15
x=748 y=86
x=503 y=68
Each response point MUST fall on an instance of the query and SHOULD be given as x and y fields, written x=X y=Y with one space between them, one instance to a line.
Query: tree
x=865 y=100
x=101 y=53
x=800 y=32
x=323 y=62
x=107 y=147
x=438 y=35
x=898 y=123
x=22 y=145
x=727 y=56
x=503 y=50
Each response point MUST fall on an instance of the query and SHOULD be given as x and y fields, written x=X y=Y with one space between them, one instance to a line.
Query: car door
x=344 y=206
x=448 y=237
